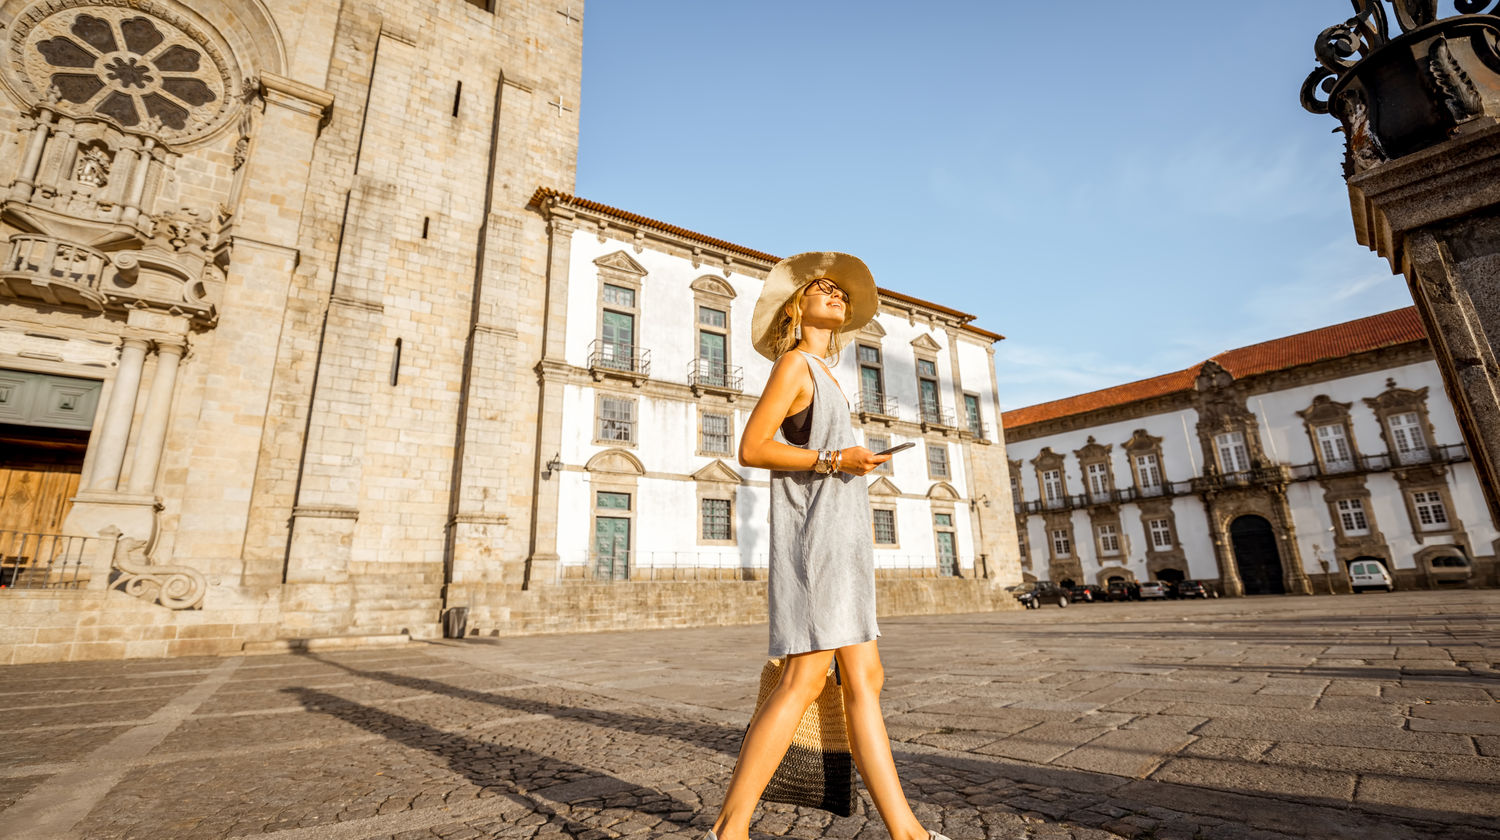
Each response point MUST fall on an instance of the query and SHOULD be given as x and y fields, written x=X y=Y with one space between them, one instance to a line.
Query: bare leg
x=863 y=677
x=766 y=742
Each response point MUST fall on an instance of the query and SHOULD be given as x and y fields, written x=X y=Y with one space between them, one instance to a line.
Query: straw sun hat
x=786 y=277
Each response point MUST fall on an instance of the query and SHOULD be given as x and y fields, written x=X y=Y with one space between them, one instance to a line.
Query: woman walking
x=822 y=572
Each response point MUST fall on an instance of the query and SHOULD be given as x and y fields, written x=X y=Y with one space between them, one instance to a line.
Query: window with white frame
x=1406 y=435
x=1052 y=487
x=871 y=378
x=1109 y=540
x=1148 y=472
x=971 y=413
x=713 y=346
x=1333 y=448
x=879 y=443
x=617 y=328
x=927 y=391
x=1352 y=517
x=1233 y=457
x=884 y=521
x=1061 y=545
x=616 y=419
x=1161 y=533
x=937 y=460
x=1098 y=475
x=714 y=435
x=715 y=517
x=1431 y=514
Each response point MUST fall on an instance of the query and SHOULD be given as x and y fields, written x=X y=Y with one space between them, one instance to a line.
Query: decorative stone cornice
x=295 y=96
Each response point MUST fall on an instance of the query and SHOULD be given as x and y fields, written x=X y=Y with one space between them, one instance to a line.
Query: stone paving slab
x=1375 y=718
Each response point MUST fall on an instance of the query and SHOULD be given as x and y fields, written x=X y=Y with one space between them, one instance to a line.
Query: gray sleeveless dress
x=822 y=574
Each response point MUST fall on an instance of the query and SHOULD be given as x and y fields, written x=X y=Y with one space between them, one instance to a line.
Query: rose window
x=158 y=73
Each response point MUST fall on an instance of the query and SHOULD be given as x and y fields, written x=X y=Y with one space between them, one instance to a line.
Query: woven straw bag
x=817 y=770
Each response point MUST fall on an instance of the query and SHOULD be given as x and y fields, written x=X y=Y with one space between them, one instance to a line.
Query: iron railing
x=34 y=560
x=932 y=414
x=1117 y=496
x=705 y=373
x=879 y=404
x=1383 y=461
x=624 y=358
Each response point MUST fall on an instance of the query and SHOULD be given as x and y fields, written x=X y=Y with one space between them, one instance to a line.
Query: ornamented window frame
x=1144 y=443
x=1044 y=462
x=618 y=268
x=1094 y=453
x=1325 y=411
x=1395 y=400
x=713 y=293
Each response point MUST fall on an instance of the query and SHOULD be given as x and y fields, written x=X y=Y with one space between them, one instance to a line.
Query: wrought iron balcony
x=1274 y=474
x=978 y=431
x=1382 y=461
x=878 y=406
x=1118 y=496
x=708 y=375
x=933 y=416
x=611 y=358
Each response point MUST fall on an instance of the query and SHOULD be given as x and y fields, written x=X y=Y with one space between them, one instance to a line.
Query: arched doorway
x=1256 y=556
x=1170 y=575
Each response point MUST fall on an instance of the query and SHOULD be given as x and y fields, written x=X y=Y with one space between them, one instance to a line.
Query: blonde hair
x=784 y=330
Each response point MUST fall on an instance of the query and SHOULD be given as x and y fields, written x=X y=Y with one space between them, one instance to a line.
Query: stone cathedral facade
x=273 y=316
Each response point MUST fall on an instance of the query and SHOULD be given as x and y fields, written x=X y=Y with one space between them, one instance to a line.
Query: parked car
x=1124 y=590
x=1451 y=570
x=1033 y=595
x=1153 y=589
x=1369 y=574
x=1191 y=589
x=1088 y=593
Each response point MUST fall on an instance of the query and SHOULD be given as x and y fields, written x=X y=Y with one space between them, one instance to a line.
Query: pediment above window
x=1142 y=441
x=925 y=344
x=942 y=491
x=1048 y=460
x=621 y=262
x=616 y=461
x=1092 y=451
x=719 y=472
x=872 y=329
x=710 y=285
x=1324 y=410
x=1395 y=399
x=884 y=487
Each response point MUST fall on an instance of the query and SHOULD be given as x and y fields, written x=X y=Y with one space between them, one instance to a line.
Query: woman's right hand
x=859 y=460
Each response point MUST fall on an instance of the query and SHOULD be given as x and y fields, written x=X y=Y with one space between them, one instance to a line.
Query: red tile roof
x=544 y=193
x=1387 y=329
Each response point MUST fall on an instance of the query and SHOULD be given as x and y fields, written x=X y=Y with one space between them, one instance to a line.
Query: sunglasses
x=826 y=287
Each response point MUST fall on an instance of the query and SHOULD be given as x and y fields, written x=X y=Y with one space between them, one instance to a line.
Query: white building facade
x=648 y=380
x=1268 y=469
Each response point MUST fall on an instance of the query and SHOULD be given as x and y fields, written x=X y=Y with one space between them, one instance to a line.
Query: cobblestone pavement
x=1376 y=716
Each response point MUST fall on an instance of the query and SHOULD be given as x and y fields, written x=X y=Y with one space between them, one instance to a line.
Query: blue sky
x=1121 y=189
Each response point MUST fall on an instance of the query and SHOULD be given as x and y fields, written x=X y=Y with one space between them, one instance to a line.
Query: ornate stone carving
x=146 y=66
x=174 y=587
x=1452 y=83
x=92 y=167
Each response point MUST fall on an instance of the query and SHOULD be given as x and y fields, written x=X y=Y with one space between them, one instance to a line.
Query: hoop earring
x=797 y=332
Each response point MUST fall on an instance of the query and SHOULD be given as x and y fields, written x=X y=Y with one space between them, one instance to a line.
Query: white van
x=1369 y=574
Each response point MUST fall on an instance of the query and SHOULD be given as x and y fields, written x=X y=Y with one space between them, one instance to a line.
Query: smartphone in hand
x=897 y=448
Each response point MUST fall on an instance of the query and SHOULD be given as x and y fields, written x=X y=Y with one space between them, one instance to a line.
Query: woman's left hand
x=859 y=460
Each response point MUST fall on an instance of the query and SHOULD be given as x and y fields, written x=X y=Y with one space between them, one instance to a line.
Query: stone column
x=117 y=416
x=1229 y=571
x=154 y=425
x=1420 y=112
x=26 y=180
x=138 y=174
x=541 y=564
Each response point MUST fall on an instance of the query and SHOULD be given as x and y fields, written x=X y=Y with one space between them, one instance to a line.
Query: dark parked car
x=1191 y=589
x=1124 y=590
x=1033 y=595
x=1088 y=593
